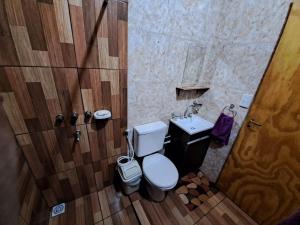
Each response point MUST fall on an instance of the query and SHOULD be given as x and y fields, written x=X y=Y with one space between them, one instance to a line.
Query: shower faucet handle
x=74 y=118
x=76 y=135
x=59 y=118
x=87 y=116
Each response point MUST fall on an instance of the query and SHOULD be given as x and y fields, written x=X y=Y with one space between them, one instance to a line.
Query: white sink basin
x=192 y=125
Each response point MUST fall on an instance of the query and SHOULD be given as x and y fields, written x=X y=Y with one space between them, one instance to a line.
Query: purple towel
x=222 y=128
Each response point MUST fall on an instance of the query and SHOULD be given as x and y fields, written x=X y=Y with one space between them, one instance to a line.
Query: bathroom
x=149 y=112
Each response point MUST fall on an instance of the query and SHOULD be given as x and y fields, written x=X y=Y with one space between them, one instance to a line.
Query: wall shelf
x=191 y=88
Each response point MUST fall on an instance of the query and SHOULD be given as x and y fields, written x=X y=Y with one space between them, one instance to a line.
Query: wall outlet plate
x=246 y=101
x=58 y=209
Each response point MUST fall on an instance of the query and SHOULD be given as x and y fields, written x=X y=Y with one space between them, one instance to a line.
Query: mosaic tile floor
x=194 y=189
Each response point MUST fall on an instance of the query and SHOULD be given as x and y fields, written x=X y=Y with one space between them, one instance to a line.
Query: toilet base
x=155 y=193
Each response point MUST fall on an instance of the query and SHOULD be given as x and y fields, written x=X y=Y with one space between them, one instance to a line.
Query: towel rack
x=230 y=109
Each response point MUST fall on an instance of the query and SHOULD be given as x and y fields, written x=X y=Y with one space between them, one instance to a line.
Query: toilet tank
x=149 y=138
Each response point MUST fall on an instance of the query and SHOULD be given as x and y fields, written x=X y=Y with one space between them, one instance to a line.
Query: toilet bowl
x=159 y=172
x=161 y=175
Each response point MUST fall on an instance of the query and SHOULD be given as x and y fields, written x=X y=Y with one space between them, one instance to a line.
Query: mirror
x=193 y=65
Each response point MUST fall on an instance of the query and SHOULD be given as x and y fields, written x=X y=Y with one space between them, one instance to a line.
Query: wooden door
x=262 y=174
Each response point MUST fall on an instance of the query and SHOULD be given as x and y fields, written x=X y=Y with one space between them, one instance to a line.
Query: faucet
x=195 y=109
x=187 y=112
x=76 y=135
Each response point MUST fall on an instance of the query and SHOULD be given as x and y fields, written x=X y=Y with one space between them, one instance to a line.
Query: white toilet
x=160 y=173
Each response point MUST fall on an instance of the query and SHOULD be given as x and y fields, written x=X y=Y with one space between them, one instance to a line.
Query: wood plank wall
x=21 y=200
x=33 y=206
x=60 y=56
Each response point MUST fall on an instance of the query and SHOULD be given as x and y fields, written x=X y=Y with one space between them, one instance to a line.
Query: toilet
x=159 y=172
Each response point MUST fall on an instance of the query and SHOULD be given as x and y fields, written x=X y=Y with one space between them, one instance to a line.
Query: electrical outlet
x=246 y=101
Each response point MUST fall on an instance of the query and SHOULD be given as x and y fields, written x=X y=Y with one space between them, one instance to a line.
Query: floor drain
x=58 y=209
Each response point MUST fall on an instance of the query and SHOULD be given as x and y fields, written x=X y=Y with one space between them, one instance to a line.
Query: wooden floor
x=105 y=207
x=218 y=210
x=109 y=207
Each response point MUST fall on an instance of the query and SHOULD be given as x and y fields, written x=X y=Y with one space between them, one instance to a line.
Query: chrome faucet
x=195 y=109
x=76 y=135
x=187 y=112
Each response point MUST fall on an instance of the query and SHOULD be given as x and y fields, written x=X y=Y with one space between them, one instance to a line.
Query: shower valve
x=76 y=135
x=74 y=118
x=59 y=118
x=88 y=115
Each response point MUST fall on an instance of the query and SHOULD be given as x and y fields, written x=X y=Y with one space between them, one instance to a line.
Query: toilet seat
x=160 y=171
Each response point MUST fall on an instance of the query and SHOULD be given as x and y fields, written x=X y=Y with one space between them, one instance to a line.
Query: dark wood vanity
x=186 y=151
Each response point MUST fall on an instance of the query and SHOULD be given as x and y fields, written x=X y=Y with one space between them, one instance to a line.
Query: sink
x=192 y=125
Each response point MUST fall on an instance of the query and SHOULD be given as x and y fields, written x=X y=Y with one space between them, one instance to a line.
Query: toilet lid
x=160 y=171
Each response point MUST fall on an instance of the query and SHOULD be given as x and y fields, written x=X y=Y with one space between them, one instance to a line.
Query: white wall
x=225 y=43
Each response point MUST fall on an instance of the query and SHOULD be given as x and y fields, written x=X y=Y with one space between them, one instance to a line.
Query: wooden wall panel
x=21 y=200
x=42 y=33
x=35 y=95
x=122 y=35
x=62 y=56
x=6 y=40
x=64 y=169
x=33 y=205
x=74 y=183
x=100 y=33
x=106 y=89
x=36 y=33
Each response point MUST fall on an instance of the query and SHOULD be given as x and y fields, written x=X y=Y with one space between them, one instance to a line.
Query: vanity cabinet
x=186 y=151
